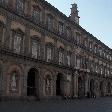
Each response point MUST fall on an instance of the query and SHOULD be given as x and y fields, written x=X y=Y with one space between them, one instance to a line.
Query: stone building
x=45 y=54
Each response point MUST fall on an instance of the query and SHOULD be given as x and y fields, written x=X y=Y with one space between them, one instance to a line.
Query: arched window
x=48 y=85
x=14 y=81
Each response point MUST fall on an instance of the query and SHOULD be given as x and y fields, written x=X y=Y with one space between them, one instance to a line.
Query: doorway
x=58 y=85
x=31 y=82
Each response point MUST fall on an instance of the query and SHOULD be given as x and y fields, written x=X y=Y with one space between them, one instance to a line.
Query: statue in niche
x=48 y=86
x=13 y=81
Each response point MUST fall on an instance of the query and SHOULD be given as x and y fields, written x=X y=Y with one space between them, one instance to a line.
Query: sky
x=95 y=16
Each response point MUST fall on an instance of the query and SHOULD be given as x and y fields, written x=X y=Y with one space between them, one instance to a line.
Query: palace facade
x=45 y=54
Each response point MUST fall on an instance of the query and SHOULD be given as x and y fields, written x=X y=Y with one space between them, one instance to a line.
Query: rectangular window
x=17 y=43
x=78 y=38
x=49 y=54
x=90 y=46
x=101 y=70
x=34 y=49
x=36 y=15
x=61 y=28
x=95 y=49
x=68 y=60
x=68 y=32
x=4 y=1
x=50 y=23
x=85 y=43
x=20 y=6
x=61 y=57
x=96 y=69
x=78 y=62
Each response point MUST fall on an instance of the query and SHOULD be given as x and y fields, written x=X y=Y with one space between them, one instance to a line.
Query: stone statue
x=13 y=82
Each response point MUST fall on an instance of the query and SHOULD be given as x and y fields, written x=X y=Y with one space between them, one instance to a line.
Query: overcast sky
x=95 y=16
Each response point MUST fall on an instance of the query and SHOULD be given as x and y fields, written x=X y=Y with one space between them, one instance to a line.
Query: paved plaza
x=82 y=105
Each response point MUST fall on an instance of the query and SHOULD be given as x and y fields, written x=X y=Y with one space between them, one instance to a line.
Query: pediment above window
x=36 y=7
x=19 y=31
x=50 y=15
x=36 y=38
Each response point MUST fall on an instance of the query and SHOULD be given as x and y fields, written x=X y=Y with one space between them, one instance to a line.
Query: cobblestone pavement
x=83 y=105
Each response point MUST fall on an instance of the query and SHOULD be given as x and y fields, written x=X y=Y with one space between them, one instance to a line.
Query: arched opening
x=101 y=88
x=81 y=87
x=92 y=94
x=31 y=82
x=59 y=85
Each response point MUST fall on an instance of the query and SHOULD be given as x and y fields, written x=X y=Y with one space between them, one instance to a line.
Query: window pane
x=36 y=15
x=68 y=60
x=50 y=23
x=17 y=43
x=20 y=6
x=61 y=56
x=49 y=54
x=60 y=28
x=34 y=49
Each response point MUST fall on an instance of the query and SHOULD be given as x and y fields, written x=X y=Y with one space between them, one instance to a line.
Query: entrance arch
x=31 y=82
x=92 y=94
x=59 y=84
x=81 y=87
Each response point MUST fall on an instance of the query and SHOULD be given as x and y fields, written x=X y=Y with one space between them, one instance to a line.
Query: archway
x=59 y=85
x=81 y=87
x=31 y=82
x=102 y=88
x=92 y=94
